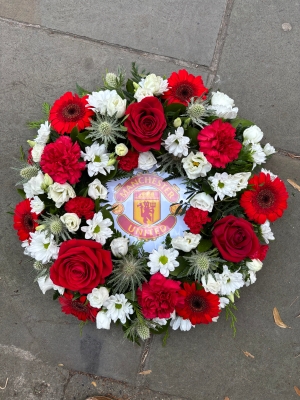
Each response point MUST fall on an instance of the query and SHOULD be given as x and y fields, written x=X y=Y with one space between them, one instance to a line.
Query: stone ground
x=240 y=47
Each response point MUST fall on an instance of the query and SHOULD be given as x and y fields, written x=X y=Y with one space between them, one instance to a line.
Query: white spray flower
x=177 y=143
x=118 y=307
x=223 y=184
x=107 y=101
x=210 y=284
x=43 y=248
x=37 y=152
x=43 y=133
x=36 y=204
x=98 y=159
x=33 y=186
x=98 y=228
x=229 y=281
x=163 y=260
x=266 y=232
x=45 y=283
x=223 y=105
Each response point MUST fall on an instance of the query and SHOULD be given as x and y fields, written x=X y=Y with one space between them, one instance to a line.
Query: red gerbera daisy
x=183 y=86
x=24 y=220
x=69 y=111
x=82 y=206
x=80 y=308
x=267 y=198
x=199 y=306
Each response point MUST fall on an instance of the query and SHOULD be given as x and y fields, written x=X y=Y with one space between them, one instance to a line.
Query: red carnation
x=183 y=86
x=195 y=219
x=199 y=306
x=145 y=124
x=217 y=142
x=60 y=160
x=81 y=265
x=69 y=111
x=129 y=161
x=82 y=206
x=25 y=221
x=261 y=253
x=80 y=308
x=235 y=238
x=267 y=198
x=158 y=297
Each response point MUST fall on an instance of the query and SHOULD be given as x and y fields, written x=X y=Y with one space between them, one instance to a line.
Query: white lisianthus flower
x=179 y=322
x=154 y=84
x=177 y=144
x=97 y=190
x=45 y=283
x=146 y=160
x=188 y=242
x=118 y=307
x=98 y=159
x=98 y=228
x=268 y=149
x=60 y=193
x=43 y=248
x=163 y=261
x=141 y=93
x=36 y=205
x=98 y=297
x=196 y=165
x=241 y=179
x=223 y=184
x=43 y=133
x=72 y=221
x=266 y=232
x=202 y=201
x=229 y=281
x=253 y=134
x=103 y=321
x=119 y=246
x=121 y=149
x=257 y=154
x=107 y=101
x=37 y=152
x=33 y=186
x=210 y=284
x=254 y=265
x=223 y=105
x=266 y=171
x=252 y=278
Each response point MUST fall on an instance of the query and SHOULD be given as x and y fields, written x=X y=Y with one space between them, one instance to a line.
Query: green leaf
x=21 y=193
x=97 y=205
x=56 y=295
x=110 y=176
x=74 y=134
x=192 y=133
x=129 y=86
x=22 y=154
x=237 y=121
x=175 y=108
x=82 y=92
x=204 y=245
x=182 y=266
x=107 y=214
x=82 y=137
x=46 y=110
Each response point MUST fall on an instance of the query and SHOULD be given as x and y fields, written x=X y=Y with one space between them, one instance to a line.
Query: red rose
x=159 y=296
x=81 y=265
x=235 y=238
x=145 y=124
x=80 y=308
x=82 y=206
x=217 y=142
x=195 y=219
x=129 y=161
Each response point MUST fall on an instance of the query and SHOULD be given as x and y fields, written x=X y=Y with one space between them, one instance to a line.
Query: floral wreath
x=176 y=127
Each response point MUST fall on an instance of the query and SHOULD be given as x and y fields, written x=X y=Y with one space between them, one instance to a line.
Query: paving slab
x=259 y=67
x=209 y=364
x=183 y=30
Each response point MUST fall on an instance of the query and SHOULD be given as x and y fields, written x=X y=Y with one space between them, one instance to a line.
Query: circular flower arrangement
x=171 y=128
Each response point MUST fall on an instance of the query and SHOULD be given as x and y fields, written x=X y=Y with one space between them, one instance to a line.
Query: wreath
x=88 y=144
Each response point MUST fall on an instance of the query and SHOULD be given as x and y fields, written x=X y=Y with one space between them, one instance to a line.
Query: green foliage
x=229 y=314
x=35 y=124
x=136 y=75
x=80 y=91
x=46 y=110
x=21 y=193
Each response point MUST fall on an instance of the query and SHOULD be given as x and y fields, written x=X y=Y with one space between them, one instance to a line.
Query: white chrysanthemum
x=253 y=134
x=107 y=101
x=177 y=144
x=188 y=242
x=272 y=176
x=179 y=322
x=43 y=248
x=118 y=307
x=43 y=133
x=98 y=297
x=45 y=283
x=254 y=265
x=266 y=232
x=163 y=261
x=202 y=201
x=210 y=284
x=196 y=165
x=258 y=155
x=154 y=84
x=146 y=160
x=33 y=186
x=97 y=190
x=98 y=228
x=98 y=159
x=61 y=193
x=103 y=320
x=37 y=152
x=229 y=281
x=141 y=93
x=268 y=149
x=36 y=204
x=223 y=106
x=223 y=184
